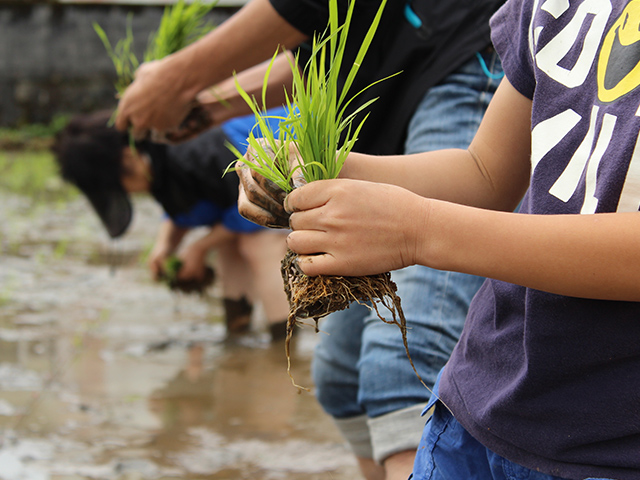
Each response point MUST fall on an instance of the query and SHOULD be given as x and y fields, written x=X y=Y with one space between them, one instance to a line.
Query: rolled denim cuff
x=356 y=431
x=396 y=432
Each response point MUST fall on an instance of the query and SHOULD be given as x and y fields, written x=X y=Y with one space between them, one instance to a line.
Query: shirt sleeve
x=308 y=16
x=510 y=37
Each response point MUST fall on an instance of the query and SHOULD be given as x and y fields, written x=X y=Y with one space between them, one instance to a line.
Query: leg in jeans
x=361 y=372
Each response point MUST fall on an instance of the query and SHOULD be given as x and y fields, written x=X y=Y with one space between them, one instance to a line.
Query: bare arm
x=592 y=256
x=194 y=255
x=224 y=102
x=168 y=238
x=161 y=95
x=492 y=173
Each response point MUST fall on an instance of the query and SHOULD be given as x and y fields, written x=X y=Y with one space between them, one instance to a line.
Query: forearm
x=195 y=254
x=163 y=91
x=230 y=104
x=591 y=256
x=451 y=175
x=492 y=173
x=244 y=40
x=217 y=235
x=169 y=236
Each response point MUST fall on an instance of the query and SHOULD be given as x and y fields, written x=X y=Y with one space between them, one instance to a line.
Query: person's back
x=188 y=181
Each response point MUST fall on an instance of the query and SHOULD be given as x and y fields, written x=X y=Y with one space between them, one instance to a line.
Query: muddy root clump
x=197 y=121
x=317 y=297
x=169 y=276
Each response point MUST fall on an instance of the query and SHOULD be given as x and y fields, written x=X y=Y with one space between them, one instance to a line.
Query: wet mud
x=105 y=374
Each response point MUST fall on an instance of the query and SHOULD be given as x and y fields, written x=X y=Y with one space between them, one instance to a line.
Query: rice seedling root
x=197 y=121
x=317 y=297
x=170 y=277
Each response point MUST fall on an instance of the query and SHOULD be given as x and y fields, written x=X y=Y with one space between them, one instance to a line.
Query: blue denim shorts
x=448 y=452
x=360 y=367
x=206 y=213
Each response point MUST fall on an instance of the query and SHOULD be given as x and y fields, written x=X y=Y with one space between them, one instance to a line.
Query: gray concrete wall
x=52 y=61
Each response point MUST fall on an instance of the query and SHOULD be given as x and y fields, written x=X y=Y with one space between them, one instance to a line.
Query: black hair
x=89 y=151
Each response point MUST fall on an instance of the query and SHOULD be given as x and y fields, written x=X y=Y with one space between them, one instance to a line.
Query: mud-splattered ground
x=107 y=375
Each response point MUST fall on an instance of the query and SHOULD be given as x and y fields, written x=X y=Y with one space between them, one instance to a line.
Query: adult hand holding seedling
x=157 y=99
x=159 y=93
x=164 y=92
x=260 y=198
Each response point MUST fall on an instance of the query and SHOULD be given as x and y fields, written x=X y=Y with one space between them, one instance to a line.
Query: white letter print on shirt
x=585 y=156
x=549 y=57
x=586 y=159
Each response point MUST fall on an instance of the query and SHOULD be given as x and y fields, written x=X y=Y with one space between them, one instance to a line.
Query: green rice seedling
x=316 y=123
x=122 y=55
x=180 y=25
x=323 y=135
x=271 y=150
x=171 y=268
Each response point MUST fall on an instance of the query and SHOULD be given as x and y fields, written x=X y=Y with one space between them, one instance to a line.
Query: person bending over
x=187 y=181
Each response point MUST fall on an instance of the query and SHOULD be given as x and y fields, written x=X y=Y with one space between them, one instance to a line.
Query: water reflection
x=107 y=375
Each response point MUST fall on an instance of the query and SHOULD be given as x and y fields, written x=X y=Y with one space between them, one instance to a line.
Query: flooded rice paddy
x=105 y=374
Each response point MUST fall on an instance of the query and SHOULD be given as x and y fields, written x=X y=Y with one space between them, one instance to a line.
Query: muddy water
x=107 y=375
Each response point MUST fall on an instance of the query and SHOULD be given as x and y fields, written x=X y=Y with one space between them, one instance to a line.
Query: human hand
x=156 y=261
x=197 y=121
x=157 y=99
x=352 y=227
x=193 y=263
x=260 y=199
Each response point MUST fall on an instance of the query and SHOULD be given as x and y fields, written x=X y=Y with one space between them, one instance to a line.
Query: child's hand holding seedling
x=339 y=228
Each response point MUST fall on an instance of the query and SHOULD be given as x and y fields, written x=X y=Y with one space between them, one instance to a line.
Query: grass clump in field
x=35 y=136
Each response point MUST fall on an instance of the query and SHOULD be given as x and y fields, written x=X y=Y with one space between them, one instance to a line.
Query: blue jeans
x=448 y=452
x=360 y=368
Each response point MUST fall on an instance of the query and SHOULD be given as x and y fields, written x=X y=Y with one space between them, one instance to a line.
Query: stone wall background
x=52 y=62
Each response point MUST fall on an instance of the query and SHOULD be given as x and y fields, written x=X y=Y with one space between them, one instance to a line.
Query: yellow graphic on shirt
x=619 y=62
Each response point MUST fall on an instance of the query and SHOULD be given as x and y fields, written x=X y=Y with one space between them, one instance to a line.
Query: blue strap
x=487 y=72
x=411 y=16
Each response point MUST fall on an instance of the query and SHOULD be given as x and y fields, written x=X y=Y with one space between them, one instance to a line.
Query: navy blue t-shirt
x=548 y=381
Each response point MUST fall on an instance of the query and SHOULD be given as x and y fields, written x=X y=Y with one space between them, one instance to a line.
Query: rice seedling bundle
x=180 y=25
x=319 y=129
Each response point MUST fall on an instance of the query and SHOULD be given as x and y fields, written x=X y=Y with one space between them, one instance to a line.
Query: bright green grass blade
x=315 y=121
x=364 y=47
